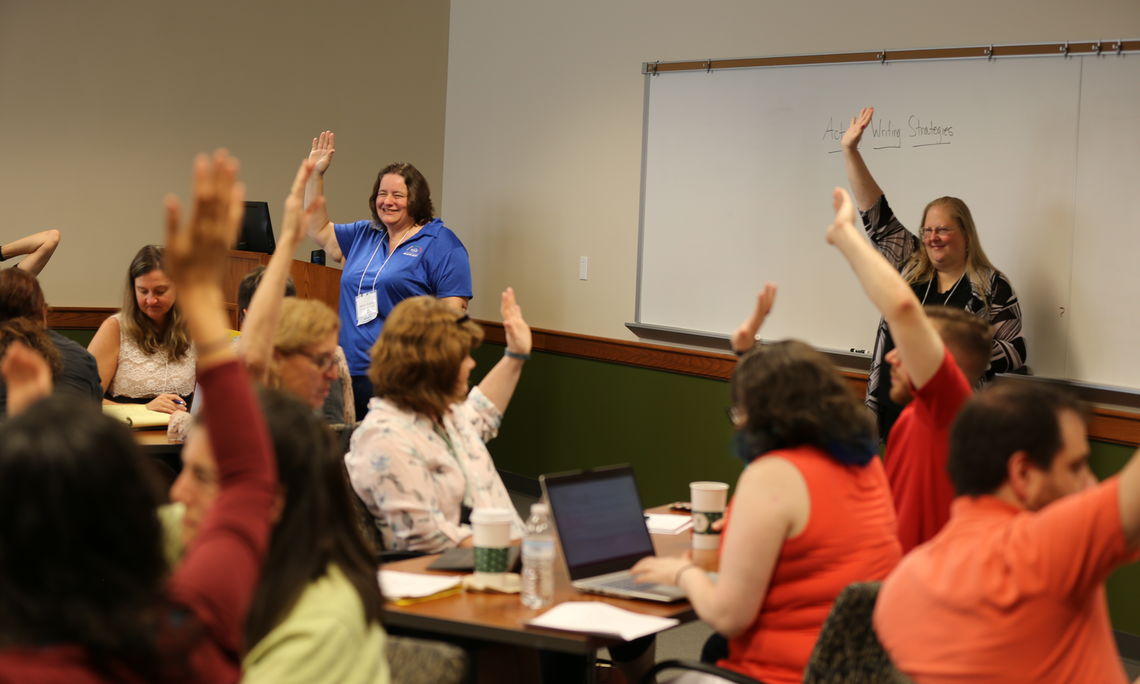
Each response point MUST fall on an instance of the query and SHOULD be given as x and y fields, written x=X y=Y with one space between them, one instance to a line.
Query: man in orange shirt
x=1012 y=588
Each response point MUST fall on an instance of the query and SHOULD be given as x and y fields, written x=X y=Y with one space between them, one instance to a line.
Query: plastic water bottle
x=538 y=558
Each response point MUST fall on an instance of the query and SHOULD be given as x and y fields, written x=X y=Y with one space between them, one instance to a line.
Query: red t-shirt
x=917 y=451
x=1007 y=595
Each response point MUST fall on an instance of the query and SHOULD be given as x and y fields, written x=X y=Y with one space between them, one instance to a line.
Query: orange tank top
x=851 y=536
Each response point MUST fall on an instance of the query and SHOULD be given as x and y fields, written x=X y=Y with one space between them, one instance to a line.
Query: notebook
x=601 y=528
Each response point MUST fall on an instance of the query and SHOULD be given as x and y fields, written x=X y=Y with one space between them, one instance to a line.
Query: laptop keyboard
x=630 y=584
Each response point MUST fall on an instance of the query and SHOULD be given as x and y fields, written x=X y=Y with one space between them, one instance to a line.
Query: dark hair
x=80 y=543
x=22 y=309
x=793 y=396
x=318 y=523
x=419 y=195
x=999 y=421
x=970 y=338
x=249 y=284
x=416 y=361
x=174 y=339
x=21 y=295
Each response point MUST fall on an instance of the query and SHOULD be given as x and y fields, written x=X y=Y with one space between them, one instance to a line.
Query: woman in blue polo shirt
x=403 y=251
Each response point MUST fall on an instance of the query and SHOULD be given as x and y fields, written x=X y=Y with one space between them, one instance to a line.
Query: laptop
x=601 y=527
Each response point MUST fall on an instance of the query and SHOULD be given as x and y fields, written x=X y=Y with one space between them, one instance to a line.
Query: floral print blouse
x=414 y=476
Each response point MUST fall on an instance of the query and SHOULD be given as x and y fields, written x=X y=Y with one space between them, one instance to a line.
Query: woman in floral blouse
x=419 y=460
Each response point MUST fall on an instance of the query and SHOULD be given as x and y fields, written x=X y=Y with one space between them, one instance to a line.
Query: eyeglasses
x=323 y=362
x=940 y=231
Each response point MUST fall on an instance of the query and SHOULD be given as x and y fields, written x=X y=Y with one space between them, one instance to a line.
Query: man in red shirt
x=940 y=353
x=1012 y=588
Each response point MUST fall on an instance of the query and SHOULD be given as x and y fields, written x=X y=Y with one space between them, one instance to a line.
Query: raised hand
x=745 y=336
x=196 y=252
x=844 y=215
x=518 y=332
x=27 y=375
x=855 y=129
x=292 y=229
x=322 y=151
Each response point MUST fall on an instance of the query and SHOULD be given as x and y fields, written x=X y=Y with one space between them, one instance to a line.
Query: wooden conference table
x=500 y=618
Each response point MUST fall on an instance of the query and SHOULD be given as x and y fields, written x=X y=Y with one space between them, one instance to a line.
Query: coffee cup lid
x=491 y=515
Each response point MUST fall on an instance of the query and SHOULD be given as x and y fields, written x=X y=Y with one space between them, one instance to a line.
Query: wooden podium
x=313 y=281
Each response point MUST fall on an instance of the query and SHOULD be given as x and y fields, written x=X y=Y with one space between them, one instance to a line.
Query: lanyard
x=360 y=285
x=952 y=290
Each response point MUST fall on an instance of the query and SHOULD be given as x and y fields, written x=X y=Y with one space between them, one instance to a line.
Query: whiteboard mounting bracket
x=989 y=53
x=1064 y=48
x=708 y=66
x=882 y=57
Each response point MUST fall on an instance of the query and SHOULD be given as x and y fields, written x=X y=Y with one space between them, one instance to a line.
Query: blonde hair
x=303 y=322
x=979 y=270
x=174 y=339
x=416 y=361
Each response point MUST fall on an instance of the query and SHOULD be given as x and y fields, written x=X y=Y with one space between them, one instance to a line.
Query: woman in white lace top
x=144 y=352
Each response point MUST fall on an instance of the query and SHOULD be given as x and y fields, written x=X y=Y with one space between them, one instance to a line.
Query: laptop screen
x=600 y=521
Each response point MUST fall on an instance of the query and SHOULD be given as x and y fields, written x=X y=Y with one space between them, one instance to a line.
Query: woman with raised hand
x=944 y=264
x=315 y=615
x=144 y=351
x=811 y=512
x=401 y=252
x=87 y=594
x=419 y=459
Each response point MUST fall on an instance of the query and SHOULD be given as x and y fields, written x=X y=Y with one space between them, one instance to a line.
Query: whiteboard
x=739 y=166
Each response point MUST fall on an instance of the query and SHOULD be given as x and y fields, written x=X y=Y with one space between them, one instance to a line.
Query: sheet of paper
x=595 y=617
x=396 y=584
x=667 y=523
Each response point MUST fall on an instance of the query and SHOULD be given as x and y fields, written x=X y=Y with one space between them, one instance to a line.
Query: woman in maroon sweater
x=85 y=592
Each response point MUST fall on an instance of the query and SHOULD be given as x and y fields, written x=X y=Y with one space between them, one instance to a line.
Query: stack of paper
x=137 y=415
x=667 y=523
x=595 y=617
x=396 y=585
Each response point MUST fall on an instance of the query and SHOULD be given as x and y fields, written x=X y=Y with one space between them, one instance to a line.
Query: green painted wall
x=574 y=413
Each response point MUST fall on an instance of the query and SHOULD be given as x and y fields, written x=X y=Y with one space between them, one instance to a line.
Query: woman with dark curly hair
x=811 y=513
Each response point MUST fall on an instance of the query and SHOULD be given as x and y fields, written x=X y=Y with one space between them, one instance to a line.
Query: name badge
x=367 y=308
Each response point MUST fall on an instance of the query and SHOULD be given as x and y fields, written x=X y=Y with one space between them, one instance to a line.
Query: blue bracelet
x=515 y=355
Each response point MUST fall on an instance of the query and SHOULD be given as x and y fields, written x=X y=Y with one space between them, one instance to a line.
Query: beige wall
x=103 y=105
x=544 y=118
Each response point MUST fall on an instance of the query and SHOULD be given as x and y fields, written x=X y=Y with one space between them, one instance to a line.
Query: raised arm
x=1130 y=500
x=744 y=337
x=918 y=342
x=863 y=184
x=221 y=566
x=500 y=382
x=318 y=225
x=38 y=246
x=26 y=375
x=265 y=308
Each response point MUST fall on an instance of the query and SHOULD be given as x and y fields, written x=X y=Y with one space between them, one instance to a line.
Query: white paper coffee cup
x=708 y=500
x=492 y=533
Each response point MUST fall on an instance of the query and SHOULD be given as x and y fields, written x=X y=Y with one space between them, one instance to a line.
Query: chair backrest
x=848 y=649
x=421 y=661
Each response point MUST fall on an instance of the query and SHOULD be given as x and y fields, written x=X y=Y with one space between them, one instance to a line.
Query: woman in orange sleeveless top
x=811 y=513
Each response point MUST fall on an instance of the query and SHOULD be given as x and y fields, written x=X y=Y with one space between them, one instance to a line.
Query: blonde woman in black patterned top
x=944 y=264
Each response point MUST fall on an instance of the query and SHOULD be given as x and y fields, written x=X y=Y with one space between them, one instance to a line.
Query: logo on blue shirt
x=412 y=251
